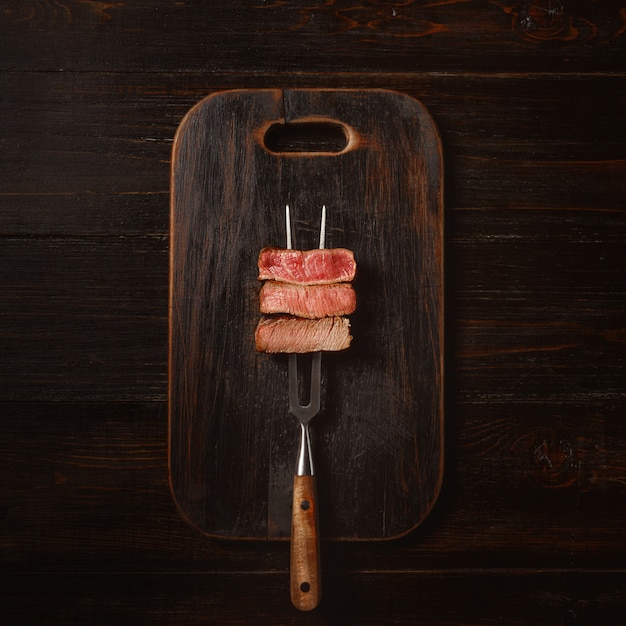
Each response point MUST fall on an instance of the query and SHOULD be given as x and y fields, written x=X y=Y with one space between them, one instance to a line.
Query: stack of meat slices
x=306 y=296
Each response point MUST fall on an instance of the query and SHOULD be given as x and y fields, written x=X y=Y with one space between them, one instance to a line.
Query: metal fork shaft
x=305 y=456
x=304 y=413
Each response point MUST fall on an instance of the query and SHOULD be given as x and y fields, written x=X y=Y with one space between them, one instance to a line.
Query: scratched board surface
x=378 y=440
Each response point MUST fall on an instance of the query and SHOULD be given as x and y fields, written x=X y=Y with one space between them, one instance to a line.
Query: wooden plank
x=84 y=318
x=321 y=37
x=431 y=598
x=84 y=213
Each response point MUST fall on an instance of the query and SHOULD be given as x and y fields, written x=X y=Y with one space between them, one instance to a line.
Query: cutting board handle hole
x=307 y=137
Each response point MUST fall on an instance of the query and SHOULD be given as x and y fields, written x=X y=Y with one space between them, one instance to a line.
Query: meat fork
x=305 y=578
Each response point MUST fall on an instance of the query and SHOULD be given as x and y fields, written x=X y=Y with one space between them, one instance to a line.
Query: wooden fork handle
x=305 y=550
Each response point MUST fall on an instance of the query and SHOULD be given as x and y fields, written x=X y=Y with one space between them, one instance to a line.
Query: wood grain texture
x=329 y=37
x=432 y=598
x=530 y=104
x=305 y=579
x=379 y=437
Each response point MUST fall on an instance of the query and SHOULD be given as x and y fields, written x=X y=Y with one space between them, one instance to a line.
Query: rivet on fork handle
x=305 y=581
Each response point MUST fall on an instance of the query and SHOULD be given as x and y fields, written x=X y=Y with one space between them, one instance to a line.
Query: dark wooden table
x=530 y=101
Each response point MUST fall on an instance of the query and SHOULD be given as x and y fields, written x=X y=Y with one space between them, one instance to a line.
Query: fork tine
x=305 y=412
x=310 y=410
x=288 y=226
x=316 y=376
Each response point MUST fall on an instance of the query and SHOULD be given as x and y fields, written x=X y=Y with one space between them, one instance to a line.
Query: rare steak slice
x=311 y=301
x=297 y=334
x=307 y=267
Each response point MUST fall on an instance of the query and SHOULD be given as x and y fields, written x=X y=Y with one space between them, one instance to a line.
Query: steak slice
x=307 y=267
x=311 y=301
x=297 y=334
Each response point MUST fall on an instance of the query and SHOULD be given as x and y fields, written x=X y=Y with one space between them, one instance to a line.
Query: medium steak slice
x=312 y=301
x=297 y=334
x=307 y=267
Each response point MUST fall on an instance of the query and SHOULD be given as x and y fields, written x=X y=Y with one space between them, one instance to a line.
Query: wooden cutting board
x=374 y=159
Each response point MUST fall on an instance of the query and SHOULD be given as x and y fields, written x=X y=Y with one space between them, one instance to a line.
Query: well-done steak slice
x=307 y=267
x=311 y=301
x=297 y=334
